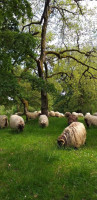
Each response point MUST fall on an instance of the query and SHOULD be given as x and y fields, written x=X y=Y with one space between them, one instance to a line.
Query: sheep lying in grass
x=43 y=121
x=90 y=120
x=73 y=136
x=17 y=122
x=72 y=118
x=3 y=121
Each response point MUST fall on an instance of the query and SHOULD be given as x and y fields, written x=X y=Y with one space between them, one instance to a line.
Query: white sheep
x=73 y=136
x=57 y=114
x=17 y=122
x=32 y=115
x=75 y=113
x=95 y=114
x=43 y=121
x=51 y=113
x=80 y=115
x=90 y=120
x=3 y=121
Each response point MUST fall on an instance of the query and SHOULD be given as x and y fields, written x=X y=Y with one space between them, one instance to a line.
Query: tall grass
x=32 y=166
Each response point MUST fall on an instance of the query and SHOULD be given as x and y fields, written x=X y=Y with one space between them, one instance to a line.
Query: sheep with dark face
x=90 y=120
x=3 y=121
x=71 y=118
x=43 y=121
x=73 y=136
x=67 y=114
x=17 y=122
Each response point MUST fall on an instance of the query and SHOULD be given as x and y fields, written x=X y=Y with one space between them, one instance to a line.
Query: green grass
x=32 y=166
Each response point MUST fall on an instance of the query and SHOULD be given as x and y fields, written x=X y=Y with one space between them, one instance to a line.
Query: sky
x=91 y=26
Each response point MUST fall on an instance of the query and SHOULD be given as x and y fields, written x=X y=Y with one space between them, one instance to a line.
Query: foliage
x=15 y=46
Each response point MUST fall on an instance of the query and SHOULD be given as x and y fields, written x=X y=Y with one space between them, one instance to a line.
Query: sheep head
x=61 y=140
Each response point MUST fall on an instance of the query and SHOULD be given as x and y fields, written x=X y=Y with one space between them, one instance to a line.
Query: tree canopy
x=45 y=38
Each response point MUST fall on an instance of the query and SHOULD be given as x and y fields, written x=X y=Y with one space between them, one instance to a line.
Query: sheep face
x=20 y=126
x=61 y=141
x=72 y=118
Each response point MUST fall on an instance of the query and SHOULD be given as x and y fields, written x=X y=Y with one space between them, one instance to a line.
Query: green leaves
x=12 y=11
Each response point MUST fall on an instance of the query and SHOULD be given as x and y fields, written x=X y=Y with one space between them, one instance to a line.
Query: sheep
x=73 y=136
x=52 y=113
x=62 y=115
x=95 y=114
x=43 y=121
x=80 y=115
x=19 y=113
x=17 y=122
x=67 y=114
x=32 y=115
x=3 y=121
x=57 y=114
x=72 y=118
x=75 y=113
x=90 y=120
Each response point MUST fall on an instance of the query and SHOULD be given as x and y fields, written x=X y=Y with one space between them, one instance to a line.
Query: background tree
x=15 y=46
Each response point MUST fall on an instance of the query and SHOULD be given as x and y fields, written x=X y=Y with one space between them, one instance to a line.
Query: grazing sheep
x=75 y=113
x=90 y=120
x=52 y=113
x=67 y=114
x=3 y=121
x=87 y=114
x=32 y=115
x=17 y=122
x=62 y=115
x=80 y=115
x=95 y=114
x=19 y=113
x=43 y=121
x=57 y=114
x=72 y=118
x=73 y=136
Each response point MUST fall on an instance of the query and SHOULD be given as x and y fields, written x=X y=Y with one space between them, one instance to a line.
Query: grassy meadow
x=32 y=166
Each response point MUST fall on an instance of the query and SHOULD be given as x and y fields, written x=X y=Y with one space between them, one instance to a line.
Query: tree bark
x=44 y=102
x=25 y=104
x=41 y=61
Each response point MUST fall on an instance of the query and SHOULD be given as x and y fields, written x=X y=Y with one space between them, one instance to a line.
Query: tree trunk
x=41 y=61
x=25 y=104
x=44 y=102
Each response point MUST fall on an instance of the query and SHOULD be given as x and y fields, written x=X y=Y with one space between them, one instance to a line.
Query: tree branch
x=63 y=9
x=58 y=74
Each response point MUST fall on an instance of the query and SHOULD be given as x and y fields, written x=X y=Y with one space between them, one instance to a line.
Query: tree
x=65 y=13
x=64 y=16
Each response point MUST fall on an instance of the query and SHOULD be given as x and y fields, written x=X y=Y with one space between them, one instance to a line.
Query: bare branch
x=58 y=74
x=63 y=9
x=58 y=54
x=28 y=25
x=79 y=6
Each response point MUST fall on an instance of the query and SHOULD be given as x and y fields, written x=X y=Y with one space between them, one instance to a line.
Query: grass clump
x=34 y=167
